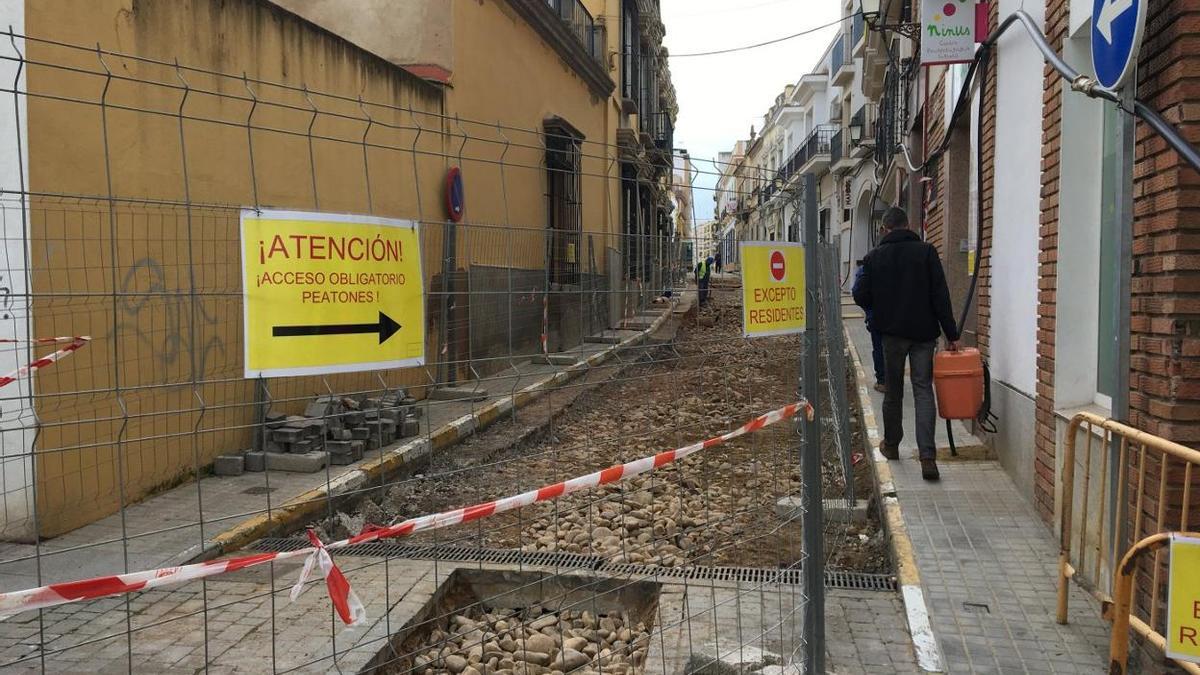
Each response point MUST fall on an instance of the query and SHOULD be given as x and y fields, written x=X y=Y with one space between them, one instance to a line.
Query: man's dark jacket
x=904 y=286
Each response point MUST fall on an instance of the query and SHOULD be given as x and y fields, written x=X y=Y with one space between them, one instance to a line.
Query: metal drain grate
x=839 y=579
x=848 y=580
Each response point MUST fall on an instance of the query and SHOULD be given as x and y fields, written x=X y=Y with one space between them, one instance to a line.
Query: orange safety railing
x=1122 y=607
x=1171 y=469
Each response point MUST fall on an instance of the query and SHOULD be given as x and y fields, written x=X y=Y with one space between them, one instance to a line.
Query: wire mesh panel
x=621 y=462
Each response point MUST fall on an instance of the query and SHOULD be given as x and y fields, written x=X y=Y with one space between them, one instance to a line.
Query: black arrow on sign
x=386 y=327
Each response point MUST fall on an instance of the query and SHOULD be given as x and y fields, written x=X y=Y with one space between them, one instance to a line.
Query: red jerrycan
x=958 y=380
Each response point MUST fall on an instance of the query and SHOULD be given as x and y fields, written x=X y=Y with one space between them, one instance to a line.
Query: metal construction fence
x=633 y=460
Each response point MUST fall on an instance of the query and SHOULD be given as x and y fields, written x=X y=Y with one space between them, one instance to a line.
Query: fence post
x=836 y=360
x=810 y=450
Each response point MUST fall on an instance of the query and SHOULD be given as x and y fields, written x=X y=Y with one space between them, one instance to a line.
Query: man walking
x=904 y=286
x=876 y=336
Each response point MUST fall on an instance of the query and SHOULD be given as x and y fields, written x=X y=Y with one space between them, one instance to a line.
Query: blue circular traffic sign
x=1117 y=27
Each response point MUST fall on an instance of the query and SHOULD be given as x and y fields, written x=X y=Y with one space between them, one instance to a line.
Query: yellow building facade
x=135 y=160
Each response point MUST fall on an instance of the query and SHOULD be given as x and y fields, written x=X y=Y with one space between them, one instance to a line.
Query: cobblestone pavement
x=988 y=565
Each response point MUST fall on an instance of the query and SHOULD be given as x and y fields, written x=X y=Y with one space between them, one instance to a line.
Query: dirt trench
x=699 y=379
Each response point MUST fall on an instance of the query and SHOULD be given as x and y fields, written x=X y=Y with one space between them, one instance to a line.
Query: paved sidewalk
x=165 y=530
x=865 y=633
x=988 y=564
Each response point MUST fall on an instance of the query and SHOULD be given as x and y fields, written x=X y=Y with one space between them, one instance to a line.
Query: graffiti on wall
x=171 y=345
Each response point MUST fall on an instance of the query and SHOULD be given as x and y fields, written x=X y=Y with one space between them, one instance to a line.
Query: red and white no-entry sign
x=772 y=288
x=778 y=266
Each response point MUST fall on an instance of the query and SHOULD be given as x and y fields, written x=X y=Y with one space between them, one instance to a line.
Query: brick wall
x=1165 y=377
x=1045 y=431
x=1165 y=350
x=935 y=215
x=1165 y=359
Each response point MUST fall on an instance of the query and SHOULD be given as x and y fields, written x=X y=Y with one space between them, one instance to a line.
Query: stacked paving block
x=338 y=430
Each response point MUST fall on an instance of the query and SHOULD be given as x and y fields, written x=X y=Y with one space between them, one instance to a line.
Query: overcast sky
x=721 y=96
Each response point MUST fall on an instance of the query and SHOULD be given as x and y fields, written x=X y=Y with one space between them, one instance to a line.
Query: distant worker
x=876 y=336
x=904 y=286
x=717 y=261
x=703 y=277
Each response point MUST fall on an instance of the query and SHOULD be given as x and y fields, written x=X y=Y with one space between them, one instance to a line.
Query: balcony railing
x=837 y=57
x=892 y=124
x=819 y=143
x=864 y=119
x=581 y=23
x=862 y=115
x=659 y=127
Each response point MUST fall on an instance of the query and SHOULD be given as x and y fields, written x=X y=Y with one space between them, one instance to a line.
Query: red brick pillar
x=1165 y=359
x=1045 y=426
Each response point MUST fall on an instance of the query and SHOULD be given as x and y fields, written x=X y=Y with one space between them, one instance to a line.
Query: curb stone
x=929 y=654
x=311 y=503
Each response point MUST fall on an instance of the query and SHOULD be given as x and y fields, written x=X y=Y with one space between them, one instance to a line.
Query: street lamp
x=856 y=131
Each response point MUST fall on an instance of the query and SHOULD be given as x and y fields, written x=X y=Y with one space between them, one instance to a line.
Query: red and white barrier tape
x=347 y=604
x=75 y=343
x=349 y=608
x=43 y=341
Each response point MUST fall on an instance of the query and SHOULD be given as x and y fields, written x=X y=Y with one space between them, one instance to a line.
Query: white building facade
x=822 y=124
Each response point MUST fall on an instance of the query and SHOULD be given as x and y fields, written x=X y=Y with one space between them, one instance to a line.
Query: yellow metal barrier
x=1138 y=454
x=1122 y=618
x=1132 y=443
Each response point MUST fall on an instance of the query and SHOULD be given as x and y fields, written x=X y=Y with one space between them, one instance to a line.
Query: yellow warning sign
x=1183 y=600
x=772 y=288
x=329 y=293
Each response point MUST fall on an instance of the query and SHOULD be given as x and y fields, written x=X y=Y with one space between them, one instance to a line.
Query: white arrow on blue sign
x=1117 y=27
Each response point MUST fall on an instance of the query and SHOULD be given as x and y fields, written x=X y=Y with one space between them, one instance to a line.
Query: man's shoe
x=929 y=470
x=889 y=451
x=881 y=387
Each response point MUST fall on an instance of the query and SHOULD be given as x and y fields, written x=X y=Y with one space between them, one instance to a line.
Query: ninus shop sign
x=947 y=31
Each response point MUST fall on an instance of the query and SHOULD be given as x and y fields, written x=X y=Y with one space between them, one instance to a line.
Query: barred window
x=564 y=215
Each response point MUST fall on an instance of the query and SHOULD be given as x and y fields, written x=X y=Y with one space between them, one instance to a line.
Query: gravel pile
x=534 y=642
x=671 y=519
